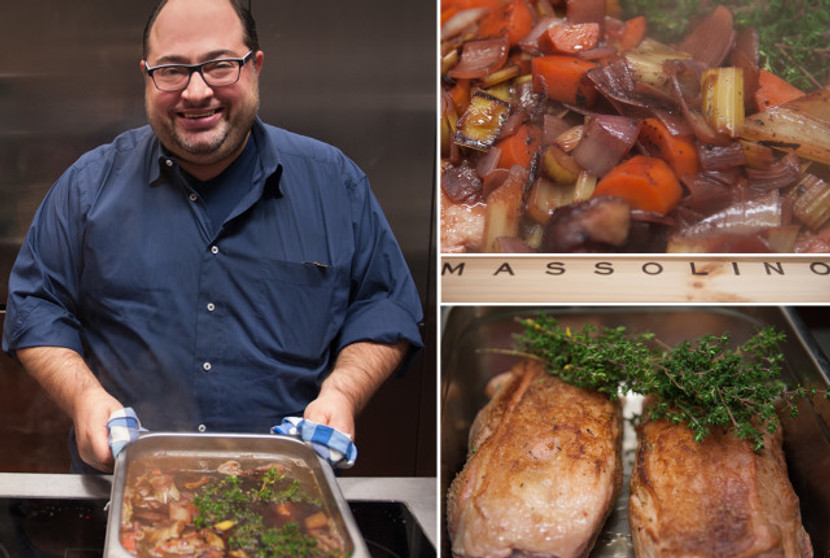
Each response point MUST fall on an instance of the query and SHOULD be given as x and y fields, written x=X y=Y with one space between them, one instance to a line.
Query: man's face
x=205 y=127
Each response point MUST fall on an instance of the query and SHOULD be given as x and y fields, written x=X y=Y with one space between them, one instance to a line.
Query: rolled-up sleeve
x=384 y=304
x=42 y=303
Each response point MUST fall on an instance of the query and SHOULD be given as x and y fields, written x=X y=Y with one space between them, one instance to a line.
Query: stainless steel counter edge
x=418 y=493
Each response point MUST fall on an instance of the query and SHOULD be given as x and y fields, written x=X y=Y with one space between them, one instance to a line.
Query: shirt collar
x=270 y=166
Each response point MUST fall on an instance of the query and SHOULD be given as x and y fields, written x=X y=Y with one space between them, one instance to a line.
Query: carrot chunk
x=773 y=90
x=519 y=148
x=572 y=39
x=512 y=19
x=646 y=183
x=678 y=151
x=563 y=78
x=633 y=32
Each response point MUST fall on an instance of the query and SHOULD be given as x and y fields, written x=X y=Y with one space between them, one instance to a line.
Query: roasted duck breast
x=543 y=472
x=718 y=498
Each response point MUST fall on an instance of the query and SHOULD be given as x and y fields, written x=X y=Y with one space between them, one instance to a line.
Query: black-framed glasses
x=216 y=73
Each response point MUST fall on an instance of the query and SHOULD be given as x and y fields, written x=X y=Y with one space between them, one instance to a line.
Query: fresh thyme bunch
x=602 y=359
x=705 y=383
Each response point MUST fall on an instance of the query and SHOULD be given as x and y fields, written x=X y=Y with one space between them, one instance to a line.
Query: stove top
x=40 y=528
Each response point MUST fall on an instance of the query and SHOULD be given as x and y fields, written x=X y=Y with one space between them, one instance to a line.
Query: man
x=213 y=272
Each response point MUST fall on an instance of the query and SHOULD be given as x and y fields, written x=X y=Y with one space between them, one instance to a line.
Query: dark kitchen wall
x=359 y=75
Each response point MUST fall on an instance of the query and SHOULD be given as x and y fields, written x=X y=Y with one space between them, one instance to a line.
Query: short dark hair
x=242 y=9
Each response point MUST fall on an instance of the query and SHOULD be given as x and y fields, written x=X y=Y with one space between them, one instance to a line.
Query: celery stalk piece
x=723 y=99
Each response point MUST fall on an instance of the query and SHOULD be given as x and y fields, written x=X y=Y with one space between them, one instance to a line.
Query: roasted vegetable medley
x=225 y=511
x=566 y=127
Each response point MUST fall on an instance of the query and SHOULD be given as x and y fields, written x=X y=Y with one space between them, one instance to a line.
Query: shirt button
x=169 y=162
x=193 y=197
x=206 y=366
x=211 y=307
x=214 y=249
x=201 y=428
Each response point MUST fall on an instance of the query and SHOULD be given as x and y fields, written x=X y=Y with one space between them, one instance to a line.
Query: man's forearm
x=361 y=368
x=62 y=373
x=66 y=377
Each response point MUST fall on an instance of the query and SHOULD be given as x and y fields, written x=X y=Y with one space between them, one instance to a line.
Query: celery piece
x=723 y=99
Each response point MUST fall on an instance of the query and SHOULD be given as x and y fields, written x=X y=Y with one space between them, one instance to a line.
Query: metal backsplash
x=359 y=75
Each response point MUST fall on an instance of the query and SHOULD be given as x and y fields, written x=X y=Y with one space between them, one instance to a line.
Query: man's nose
x=197 y=88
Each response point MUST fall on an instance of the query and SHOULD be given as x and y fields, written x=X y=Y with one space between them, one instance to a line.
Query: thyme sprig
x=704 y=383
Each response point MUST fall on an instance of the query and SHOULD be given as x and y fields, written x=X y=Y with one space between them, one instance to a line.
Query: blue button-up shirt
x=231 y=327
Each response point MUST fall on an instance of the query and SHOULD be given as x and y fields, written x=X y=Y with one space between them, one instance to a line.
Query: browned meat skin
x=715 y=499
x=544 y=470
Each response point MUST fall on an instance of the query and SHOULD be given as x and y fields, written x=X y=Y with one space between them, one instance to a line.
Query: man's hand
x=66 y=377
x=92 y=412
x=333 y=409
x=359 y=371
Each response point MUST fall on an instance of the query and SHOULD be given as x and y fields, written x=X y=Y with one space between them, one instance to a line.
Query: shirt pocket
x=300 y=311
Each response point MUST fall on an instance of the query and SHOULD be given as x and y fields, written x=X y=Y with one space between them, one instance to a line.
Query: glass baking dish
x=466 y=367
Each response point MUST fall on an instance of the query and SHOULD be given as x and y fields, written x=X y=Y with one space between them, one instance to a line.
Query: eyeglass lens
x=215 y=73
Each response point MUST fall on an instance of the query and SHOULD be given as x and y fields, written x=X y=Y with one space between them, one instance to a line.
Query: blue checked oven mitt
x=331 y=444
x=123 y=427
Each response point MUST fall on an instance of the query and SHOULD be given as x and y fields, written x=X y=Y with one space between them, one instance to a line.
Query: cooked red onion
x=493 y=180
x=488 y=162
x=511 y=245
x=598 y=52
x=460 y=22
x=706 y=196
x=732 y=177
x=697 y=123
x=615 y=82
x=513 y=122
x=605 y=140
x=712 y=40
x=784 y=172
x=530 y=43
x=674 y=122
x=741 y=218
x=652 y=217
x=718 y=157
x=553 y=127
x=461 y=184
x=745 y=56
x=481 y=57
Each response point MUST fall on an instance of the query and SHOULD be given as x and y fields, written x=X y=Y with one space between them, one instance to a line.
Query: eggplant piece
x=594 y=225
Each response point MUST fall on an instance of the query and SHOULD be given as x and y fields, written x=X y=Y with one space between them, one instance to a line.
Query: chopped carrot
x=512 y=19
x=563 y=78
x=518 y=149
x=678 y=151
x=633 y=32
x=646 y=183
x=773 y=90
x=573 y=38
